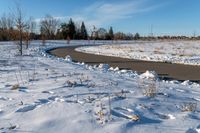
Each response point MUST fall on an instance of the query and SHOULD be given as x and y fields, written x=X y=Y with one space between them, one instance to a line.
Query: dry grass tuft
x=150 y=89
x=71 y=83
x=15 y=87
x=189 y=107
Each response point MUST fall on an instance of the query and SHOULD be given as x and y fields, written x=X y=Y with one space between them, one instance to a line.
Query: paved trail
x=165 y=70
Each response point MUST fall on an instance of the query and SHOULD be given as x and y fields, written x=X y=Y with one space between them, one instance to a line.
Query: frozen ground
x=184 y=52
x=41 y=93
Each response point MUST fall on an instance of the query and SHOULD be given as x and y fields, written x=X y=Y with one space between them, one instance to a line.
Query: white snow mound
x=68 y=58
x=104 y=66
x=149 y=75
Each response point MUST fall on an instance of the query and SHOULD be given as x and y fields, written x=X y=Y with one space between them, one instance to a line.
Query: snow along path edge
x=45 y=52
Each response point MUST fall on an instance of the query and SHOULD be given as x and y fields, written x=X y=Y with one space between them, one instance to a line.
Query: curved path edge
x=165 y=70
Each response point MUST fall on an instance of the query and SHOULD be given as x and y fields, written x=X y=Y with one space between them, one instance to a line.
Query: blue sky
x=171 y=17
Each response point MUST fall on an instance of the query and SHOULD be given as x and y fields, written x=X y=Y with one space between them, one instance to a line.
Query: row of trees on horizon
x=15 y=27
x=50 y=28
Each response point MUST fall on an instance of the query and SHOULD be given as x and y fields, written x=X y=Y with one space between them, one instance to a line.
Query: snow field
x=42 y=93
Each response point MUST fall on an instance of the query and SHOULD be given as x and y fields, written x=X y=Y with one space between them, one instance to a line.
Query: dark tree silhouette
x=111 y=34
x=137 y=36
x=72 y=29
x=84 y=34
x=64 y=30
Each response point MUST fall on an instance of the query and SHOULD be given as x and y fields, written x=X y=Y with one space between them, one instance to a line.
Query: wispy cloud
x=103 y=12
x=99 y=13
x=38 y=20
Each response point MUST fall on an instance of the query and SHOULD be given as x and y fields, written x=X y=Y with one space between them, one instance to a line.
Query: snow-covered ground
x=42 y=93
x=184 y=52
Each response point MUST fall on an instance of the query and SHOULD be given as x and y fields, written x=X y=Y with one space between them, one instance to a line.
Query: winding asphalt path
x=164 y=70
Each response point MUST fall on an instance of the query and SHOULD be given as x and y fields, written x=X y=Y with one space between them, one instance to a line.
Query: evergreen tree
x=59 y=34
x=137 y=36
x=84 y=34
x=68 y=30
x=72 y=29
x=78 y=33
x=111 y=33
x=64 y=30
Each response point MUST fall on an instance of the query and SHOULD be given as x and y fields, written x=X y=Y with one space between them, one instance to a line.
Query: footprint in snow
x=165 y=116
x=56 y=98
x=179 y=90
x=7 y=85
x=195 y=92
x=125 y=113
x=27 y=108
x=59 y=100
x=5 y=98
x=23 y=89
x=193 y=130
x=194 y=116
x=198 y=129
x=48 y=92
x=39 y=103
x=197 y=99
x=33 y=106
x=42 y=101
x=8 y=129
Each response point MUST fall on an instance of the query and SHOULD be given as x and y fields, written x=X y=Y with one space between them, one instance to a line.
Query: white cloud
x=38 y=20
x=100 y=13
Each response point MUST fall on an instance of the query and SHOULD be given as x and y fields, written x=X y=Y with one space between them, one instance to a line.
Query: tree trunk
x=20 y=42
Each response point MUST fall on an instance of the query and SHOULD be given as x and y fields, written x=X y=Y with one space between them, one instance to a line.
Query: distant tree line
x=15 y=27
x=51 y=28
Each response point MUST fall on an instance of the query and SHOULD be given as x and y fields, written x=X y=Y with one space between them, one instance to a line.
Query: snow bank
x=68 y=58
x=149 y=75
x=181 y=52
x=104 y=66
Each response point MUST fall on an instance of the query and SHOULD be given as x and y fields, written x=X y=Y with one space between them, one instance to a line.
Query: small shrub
x=84 y=79
x=150 y=90
x=135 y=118
x=71 y=83
x=121 y=94
x=189 y=107
x=91 y=85
x=15 y=87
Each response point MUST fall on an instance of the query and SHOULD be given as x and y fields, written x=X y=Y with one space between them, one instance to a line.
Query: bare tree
x=102 y=33
x=94 y=34
x=3 y=22
x=10 y=26
x=33 y=26
x=49 y=26
x=6 y=25
x=29 y=29
x=20 y=25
